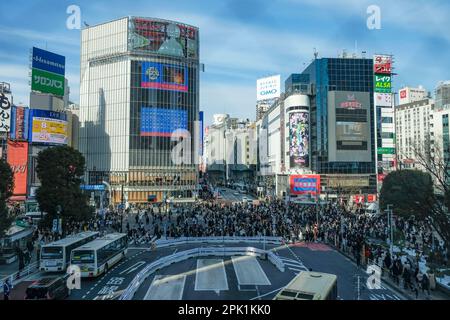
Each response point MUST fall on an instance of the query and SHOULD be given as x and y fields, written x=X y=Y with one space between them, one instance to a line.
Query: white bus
x=55 y=256
x=98 y=256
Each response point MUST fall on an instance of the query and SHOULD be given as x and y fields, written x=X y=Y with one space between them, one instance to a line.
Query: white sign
x=5 y=112
x=268 y=88
x=383 y=99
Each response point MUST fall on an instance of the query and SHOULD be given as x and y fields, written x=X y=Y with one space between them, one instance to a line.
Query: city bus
x=55 y=256
x=96 y=257
x=310 y=286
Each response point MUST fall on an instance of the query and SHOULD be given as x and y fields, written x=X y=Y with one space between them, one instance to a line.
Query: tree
x=6 y=191
x=60 y=169
x=409 y=191
x=431 y=158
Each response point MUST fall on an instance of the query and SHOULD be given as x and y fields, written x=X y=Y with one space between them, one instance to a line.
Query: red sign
x=382 y=64
x=381 y=177
x=403 y=94
x=358 y=198
x=371 y=198
x=18 y=160
x=305 y=184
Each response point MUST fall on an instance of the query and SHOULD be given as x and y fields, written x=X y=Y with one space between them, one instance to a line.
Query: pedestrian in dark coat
x=6 y=289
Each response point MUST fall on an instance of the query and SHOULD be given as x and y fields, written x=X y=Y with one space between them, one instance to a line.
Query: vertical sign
x=5 y=112
x=18 y=160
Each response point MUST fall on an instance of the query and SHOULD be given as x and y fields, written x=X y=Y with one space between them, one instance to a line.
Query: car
x=48 y=288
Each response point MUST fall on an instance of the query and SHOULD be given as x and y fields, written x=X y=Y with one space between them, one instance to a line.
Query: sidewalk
x=386 y=278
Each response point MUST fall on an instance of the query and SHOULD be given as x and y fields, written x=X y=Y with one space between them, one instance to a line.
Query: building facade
x=342 y=124
x=414 y=131
x=138 y=101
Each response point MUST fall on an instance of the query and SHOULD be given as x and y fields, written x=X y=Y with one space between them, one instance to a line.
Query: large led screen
x=299 y=139
x=164 y=76
x=159 y=122
x=163 y=37
x=48 y=127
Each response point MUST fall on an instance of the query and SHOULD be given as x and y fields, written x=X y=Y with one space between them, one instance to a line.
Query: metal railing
x=130 y=291
x=18 y=276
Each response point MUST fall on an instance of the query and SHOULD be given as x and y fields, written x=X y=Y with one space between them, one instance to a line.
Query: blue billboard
x=200 y=119
x=164 y=77
x=159 y=122
x=19 y=123
x=48 y=61
x=48 y=127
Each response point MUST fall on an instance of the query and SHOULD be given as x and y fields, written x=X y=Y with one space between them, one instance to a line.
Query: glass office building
x=342 y=124
x=139 y=104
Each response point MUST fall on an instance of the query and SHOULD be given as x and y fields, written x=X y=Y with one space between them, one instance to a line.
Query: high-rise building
x=139 y=98
x=409 y=95
x=413 y=127
x=443 y=95
x=342 y=125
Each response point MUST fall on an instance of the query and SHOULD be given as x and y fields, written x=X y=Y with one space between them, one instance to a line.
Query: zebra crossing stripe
x=295 y=265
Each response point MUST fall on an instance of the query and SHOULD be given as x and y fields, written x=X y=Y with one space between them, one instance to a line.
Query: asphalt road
x=299 y=257
x=234 y=195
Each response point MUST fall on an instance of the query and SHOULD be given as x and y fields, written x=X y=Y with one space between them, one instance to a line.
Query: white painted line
x=210 y=275
x=266 y=294
x=249 y=271
x=295 y=265
x=134 y=267
x=298 y=270
x=166 y=288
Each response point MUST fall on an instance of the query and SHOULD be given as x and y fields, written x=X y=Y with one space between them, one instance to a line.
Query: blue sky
x=242 y=40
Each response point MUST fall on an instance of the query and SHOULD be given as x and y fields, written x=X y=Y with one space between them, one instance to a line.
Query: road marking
x=266 y=294
x=210 y=275
x=249 y=271
x=134 y=267
x=166 y=288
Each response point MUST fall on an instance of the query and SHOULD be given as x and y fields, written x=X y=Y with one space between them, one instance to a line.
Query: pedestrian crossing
x=294 y=265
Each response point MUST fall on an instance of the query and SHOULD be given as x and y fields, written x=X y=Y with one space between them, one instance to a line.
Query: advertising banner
x=48 y=127
x=163 y=37
x=383 y=83
x=383 y=99
x=48 y=61
x=164 y=77
x=18 y=160
x=19 y=123
x=371 y=198
x=268 y=88
x=382 y=64
x=299 y=139
x=5 y=112
x=305 y=184
x=159 y=122
x=349 y=130
x=47 y=82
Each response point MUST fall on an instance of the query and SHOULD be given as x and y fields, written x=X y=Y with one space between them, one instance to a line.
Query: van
x=48 y=288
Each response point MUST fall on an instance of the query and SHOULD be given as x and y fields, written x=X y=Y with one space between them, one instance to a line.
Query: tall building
x=443 y=95
x=441 y=140
x=342 y=125
x=139 y=97
x=413 y=127
x=409 y=95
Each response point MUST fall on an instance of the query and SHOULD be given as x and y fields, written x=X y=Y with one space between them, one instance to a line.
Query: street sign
x=93 y=187
x=386 y=150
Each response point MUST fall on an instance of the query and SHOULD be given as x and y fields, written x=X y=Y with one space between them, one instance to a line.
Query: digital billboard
x=383 y=83
x=305 y=184
x=299 y=139
x=382 y=64
x=349 y=126
x=159 y=122
x=18 y=160
x=162 y=37
x=268 y=88
x=48 y=127
x=383 y=99
x=47 y=82
x=164 y=76
x=19 y=123
x=5 y=112
x=48 y=61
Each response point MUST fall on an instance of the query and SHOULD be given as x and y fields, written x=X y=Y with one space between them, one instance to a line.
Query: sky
x=242 y=40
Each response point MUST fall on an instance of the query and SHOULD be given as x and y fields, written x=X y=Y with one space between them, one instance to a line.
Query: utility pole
x=391 y=231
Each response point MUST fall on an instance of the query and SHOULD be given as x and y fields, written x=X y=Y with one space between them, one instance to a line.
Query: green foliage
x=6 y=190
x=60 y=169
x=410 y=191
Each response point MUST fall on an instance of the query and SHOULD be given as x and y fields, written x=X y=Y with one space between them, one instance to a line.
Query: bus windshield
x=83 y=256
x=52 y=253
